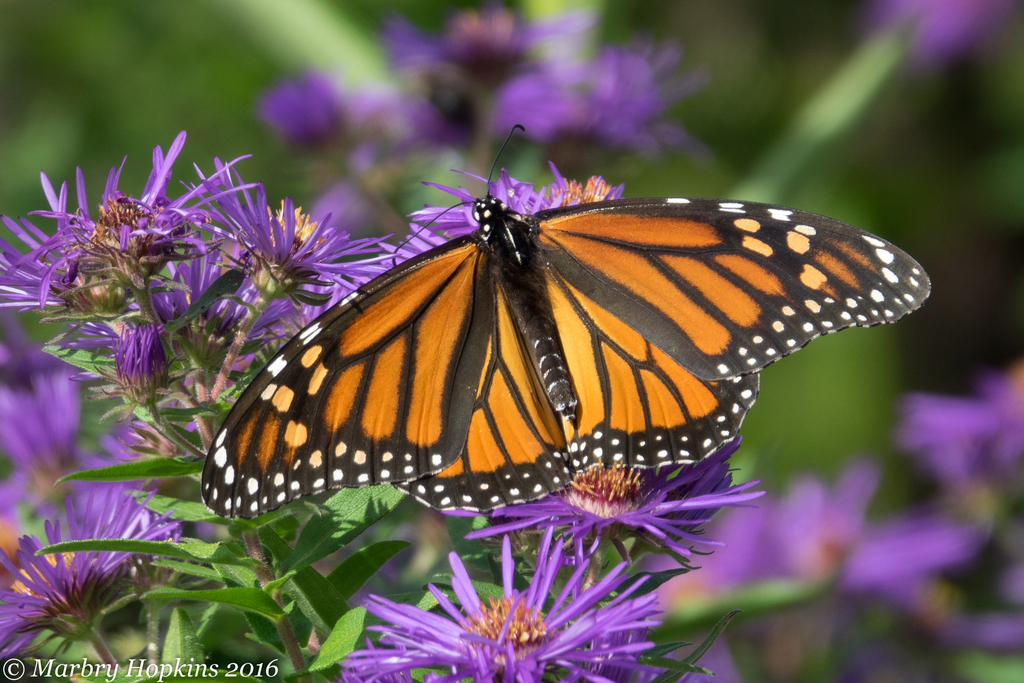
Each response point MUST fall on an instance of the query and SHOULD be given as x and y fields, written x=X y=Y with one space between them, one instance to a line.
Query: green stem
x=168 y=431
x=827 y=117
x=251 y=316
x=152 y=632
x=145 y=300
x=99 y=645
x=284 y=627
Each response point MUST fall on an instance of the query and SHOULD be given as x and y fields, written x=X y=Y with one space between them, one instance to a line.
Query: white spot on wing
x=277 y=366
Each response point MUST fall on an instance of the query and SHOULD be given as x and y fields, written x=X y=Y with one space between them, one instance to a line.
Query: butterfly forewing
x=725 y=288
x=378 y=389
x=514 y=448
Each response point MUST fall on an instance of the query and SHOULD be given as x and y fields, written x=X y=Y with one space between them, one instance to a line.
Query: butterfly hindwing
x=378 y=389
x=725 y=288
x=638 y=407
x=514 y=448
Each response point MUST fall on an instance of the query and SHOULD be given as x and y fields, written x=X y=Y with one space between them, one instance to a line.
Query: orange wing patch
x=395 y=308
x=637 y=274
x=662 y=232
x=380 y=411
x=723 y=294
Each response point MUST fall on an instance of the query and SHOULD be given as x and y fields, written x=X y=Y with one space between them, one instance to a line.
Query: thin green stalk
x=100 y=647
x=168 y=431
x=829 y=115
x=284 y=627
x=152 y=633
x=251 y=316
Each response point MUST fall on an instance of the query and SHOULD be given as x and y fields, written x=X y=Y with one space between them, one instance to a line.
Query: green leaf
x=81 y=358
x=246 y=599
x=472 y=551
x=185 y=414
x=313 y=594
x=655 y=580
x=349 y=576
x=198 y=570
x=346 y=515
x=228 y=283
x=140 y=469
x=181 y=643
x=185 y=510
x=716 y=631
x=673 y=665
x=207 y=552
x=344 y=638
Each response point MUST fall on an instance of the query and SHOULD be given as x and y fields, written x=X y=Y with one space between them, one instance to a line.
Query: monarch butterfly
x=485 y=371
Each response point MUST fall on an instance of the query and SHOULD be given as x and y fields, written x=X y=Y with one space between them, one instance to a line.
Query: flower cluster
x=66 y=595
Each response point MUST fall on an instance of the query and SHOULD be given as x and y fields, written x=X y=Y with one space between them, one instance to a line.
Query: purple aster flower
x=618 y=100
x=965 y=441
x=516 y=637
x=141 y=361
x=88 y=264
x=520 y=196
x=287 y=249
x=305 y=111
x=65 y=594
x=897 y=559
x=945 y=30
x=664 y=507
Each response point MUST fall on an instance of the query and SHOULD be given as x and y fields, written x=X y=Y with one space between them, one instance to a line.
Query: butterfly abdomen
x=519 y=269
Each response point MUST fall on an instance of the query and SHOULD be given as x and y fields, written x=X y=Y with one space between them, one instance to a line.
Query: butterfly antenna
x=422 y=228
x=497 y=156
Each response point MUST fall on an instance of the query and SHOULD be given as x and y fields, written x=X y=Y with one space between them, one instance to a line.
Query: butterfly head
x=488 y=212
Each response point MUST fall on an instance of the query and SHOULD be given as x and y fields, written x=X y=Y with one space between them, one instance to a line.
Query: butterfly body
x=484 y=372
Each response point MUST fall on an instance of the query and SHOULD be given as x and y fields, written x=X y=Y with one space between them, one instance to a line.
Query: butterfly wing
x=637 y=406
x=725 y=288
x=378 y=389
x=514 y=449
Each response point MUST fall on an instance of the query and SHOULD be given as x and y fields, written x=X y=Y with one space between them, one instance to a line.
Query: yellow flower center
x=525 y=627
x=596 y=190
x=605 y=491
x=304 y=227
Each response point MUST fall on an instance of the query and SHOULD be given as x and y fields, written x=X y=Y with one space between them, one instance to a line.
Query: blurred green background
x=935 y=163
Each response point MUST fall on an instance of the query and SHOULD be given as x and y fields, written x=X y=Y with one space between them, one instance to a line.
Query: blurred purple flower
x=618 y=100
x=517 y=637
x=945 y=30
x=1011 y=584
x=819 y=533
x=998 y=631
x=897 y=559
x=66 y=593
x=664 y=507
x=964 y=441
x=20 y=359
x=487 y=44
x=39 y=435
x=460 y=70
x=130 y=239
x=305 y=111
